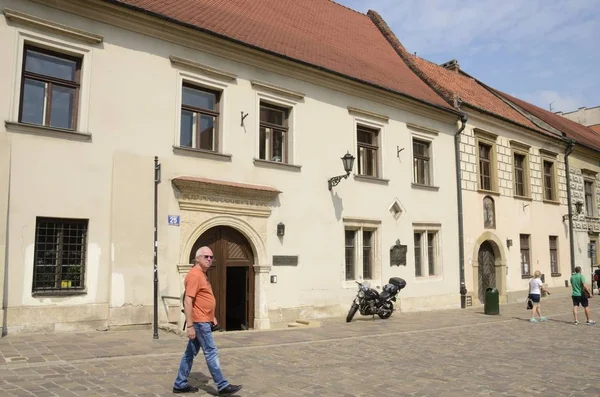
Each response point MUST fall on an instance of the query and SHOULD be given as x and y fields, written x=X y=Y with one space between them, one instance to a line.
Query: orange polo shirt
x=199 y=289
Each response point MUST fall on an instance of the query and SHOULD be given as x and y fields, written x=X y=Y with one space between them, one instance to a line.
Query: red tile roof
x=456 y=84
x=321 y=33
x=596 y=128
x=571 y=129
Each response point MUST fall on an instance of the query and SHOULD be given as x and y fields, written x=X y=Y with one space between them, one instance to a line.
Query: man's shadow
x=201 y=381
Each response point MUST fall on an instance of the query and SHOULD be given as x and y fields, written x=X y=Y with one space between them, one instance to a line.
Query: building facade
x=247 y=140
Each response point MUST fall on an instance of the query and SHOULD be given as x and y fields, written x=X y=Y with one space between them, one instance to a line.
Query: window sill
x=277 y=165
x=372 y=179
x=555 y=275
x=60 y=293
x=553 y=202
x=12 y=126
x=206 y=154
x=424 y=187
x=526 y=276
x=522 y=198
x=492 y=192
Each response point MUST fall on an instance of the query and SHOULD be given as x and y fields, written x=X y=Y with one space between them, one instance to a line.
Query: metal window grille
x=60 y=252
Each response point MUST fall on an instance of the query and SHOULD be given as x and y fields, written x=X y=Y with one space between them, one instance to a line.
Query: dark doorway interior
x=237 y=281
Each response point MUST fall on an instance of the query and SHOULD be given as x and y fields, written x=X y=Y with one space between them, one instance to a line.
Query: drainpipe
x=461 y=238
x=568 y=151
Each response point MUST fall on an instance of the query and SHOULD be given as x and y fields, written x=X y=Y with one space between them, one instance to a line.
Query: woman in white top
x=535 y=293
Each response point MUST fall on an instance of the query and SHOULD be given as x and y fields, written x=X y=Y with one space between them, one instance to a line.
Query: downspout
x=461 y=243
x=568 y=152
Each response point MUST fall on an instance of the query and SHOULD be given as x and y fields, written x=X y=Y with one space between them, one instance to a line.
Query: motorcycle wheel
x=389 y=307
x=351 y=312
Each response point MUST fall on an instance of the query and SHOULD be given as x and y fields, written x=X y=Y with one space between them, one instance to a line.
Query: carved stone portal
x=205 y=203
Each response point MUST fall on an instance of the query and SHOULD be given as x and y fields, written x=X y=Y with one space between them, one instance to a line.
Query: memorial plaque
x=398 y=254
x=285 y=260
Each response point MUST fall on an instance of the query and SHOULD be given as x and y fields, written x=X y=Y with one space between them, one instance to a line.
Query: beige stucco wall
x=514 y=216
x=129 y=105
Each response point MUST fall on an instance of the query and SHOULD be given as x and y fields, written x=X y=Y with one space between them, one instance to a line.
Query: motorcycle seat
x=384 y=295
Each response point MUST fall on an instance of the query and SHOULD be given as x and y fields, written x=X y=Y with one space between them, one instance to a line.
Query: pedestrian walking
x=535 y=294
x=199 y=308
x=580 y=296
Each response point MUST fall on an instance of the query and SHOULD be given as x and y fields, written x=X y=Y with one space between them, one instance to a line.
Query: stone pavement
x=439 y=353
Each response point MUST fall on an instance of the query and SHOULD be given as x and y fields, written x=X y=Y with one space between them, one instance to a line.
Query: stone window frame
x=529 y=273
x=359 y=225
x=552 y=157
x=590 y=176
x=195 y=75
x=424 y=229
x=519 y=148
x=424 y=135
x=61 y=45
x=489 y=139
x=375 y=122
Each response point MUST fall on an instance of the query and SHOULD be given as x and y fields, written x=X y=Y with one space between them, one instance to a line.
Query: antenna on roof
x=550 y=106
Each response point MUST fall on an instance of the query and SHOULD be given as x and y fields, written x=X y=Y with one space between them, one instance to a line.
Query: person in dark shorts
x=536 y=287
x=579 y=298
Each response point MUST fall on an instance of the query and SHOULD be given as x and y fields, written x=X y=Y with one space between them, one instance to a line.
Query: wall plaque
x=398 y=254
x=285 y=260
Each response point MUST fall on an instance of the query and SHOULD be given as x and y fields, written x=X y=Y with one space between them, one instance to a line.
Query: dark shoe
x=187 y=389
x=231 y=389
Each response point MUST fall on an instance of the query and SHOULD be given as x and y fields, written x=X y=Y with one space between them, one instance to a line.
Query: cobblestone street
x=442 y=353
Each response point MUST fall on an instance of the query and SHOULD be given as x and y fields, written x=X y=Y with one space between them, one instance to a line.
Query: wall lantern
x=280 y=229
x=348 y=162
x=578 y=209
x=509 y=242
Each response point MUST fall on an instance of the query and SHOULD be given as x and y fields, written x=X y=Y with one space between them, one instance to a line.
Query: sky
x=546 y=52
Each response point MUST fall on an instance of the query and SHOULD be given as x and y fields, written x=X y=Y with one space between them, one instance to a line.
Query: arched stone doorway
x=489 y=266
x=231 y=276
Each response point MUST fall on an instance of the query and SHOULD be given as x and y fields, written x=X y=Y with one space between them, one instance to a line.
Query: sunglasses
x=210 y=257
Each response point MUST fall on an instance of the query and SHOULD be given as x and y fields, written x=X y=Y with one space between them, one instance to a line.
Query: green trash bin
x=491 y=301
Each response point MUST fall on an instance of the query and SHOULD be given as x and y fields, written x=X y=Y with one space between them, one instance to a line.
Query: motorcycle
x=370 y=302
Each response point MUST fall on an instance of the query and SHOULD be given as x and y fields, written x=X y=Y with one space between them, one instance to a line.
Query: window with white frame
x=273 y=137
x=361 y=259
x=426 y=250
x=199 y=118
x=553 y=243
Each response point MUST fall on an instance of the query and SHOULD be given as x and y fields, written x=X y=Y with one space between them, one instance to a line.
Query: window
x=525 y=255
x=60 y=255
x=361 y=260
x=589 y=197
x=519 y=165
x=549 y=181
x=50 y=86
x=426 y=253
x=485 y=166
x=273 y=133
x=421 y=161
x=554 y=255
x=199 y=118
x=367 y=151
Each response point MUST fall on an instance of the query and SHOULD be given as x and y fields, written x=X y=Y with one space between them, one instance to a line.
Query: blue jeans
x=205 y=340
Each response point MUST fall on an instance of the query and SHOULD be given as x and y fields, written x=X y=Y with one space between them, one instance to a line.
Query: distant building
x=590 y=117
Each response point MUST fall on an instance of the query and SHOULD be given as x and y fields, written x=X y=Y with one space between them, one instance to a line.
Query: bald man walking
x=199 y=308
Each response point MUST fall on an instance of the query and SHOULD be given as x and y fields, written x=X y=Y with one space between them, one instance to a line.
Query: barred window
x=60 y=253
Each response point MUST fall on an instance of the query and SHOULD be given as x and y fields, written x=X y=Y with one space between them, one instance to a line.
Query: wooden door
x=487 y=268
x=232 y=251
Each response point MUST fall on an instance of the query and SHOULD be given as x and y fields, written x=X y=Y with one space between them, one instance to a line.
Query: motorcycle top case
x=398 y=282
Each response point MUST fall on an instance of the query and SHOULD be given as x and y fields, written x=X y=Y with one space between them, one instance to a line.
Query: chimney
x=451 y=65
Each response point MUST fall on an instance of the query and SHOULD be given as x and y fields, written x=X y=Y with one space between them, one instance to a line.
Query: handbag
x=529 y=301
